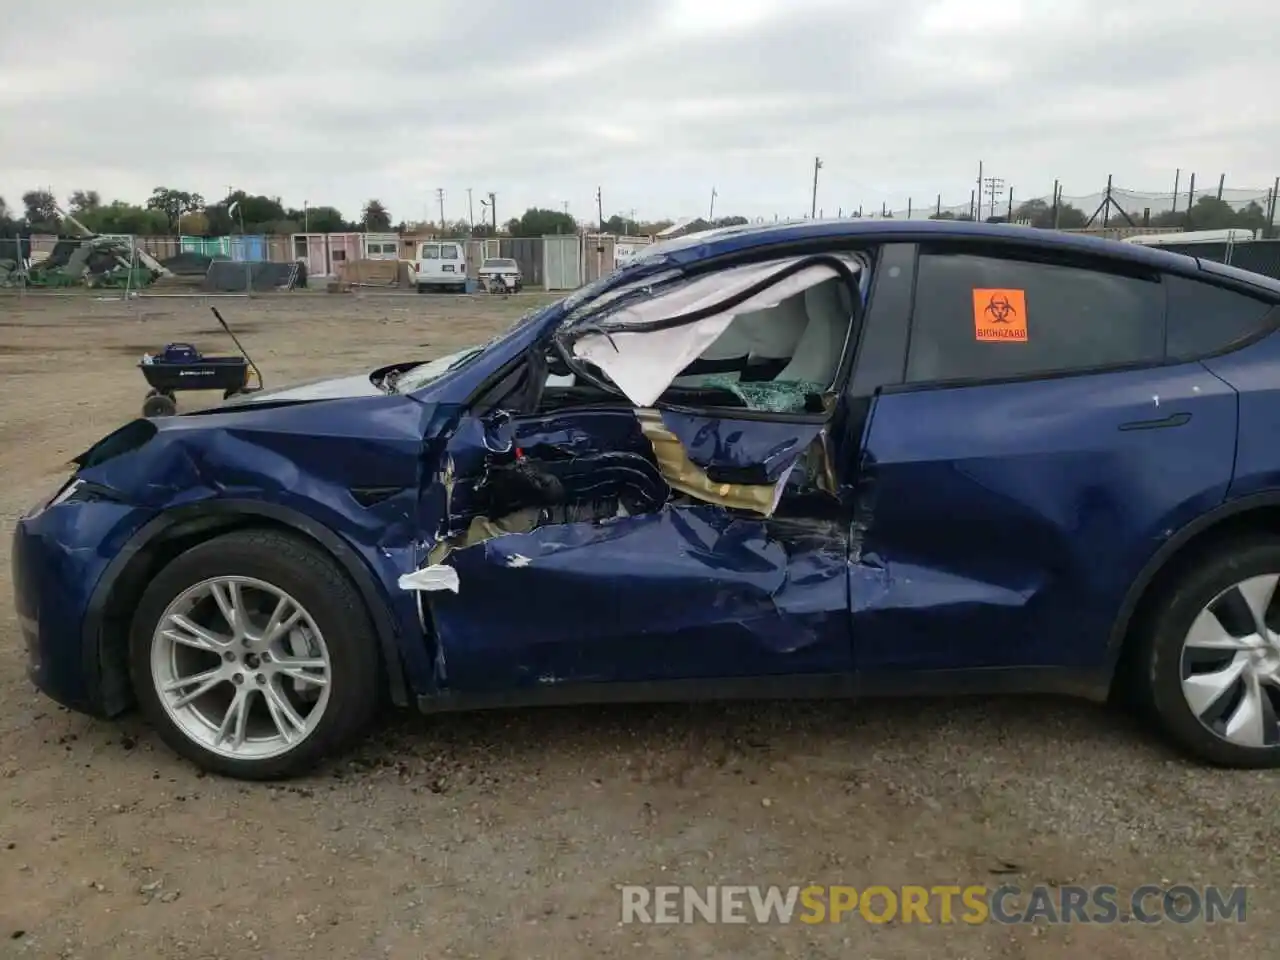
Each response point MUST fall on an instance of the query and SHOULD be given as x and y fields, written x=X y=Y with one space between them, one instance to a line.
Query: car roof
x=709 y=244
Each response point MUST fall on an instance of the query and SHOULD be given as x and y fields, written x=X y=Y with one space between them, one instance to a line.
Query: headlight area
x=75 y=490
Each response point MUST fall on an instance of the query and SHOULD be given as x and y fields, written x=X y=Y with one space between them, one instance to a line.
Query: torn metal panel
x=686 y=591
x=687 y=477
x=558 y=468
x=740 y=451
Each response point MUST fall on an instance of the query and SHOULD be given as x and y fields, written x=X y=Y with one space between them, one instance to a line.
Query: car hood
x=332 y=388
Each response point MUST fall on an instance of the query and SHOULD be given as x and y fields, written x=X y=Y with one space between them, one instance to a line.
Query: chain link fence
x=1196 y=206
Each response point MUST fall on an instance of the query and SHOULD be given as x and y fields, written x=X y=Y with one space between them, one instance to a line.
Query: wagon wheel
x=159 y=405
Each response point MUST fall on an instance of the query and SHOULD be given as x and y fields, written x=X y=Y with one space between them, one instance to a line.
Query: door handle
x=1173 y=420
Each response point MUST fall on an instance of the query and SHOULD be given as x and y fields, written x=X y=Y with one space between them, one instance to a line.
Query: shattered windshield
x=415 y=378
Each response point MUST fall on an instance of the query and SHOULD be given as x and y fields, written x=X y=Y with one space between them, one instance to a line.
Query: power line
x=993 y=188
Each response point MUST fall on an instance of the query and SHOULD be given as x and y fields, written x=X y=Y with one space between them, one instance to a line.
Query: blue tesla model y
x=816 y=459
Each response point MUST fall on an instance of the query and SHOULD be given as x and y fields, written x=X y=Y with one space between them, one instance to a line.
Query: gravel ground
x=508 y=834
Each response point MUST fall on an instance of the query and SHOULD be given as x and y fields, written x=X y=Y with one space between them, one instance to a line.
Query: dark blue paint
x=684 y=592
x=741 y=451
x=1009 y=519
x=1255 y=372
x=58 y=558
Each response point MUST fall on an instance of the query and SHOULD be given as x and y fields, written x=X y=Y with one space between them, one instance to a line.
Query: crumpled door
x=633 y=546
x=629 y=539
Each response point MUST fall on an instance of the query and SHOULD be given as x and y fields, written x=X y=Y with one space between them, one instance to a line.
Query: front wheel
x=252 y=655
x=1210 y=658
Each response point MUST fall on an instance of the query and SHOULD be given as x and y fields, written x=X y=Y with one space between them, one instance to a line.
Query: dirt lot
x=507 y=835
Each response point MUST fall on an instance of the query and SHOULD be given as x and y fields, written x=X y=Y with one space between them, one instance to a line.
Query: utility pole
x=440 y=200
x=994 y=187
x=600 y=208
x=813 y=201
x=471 y=210
x=977 y=214
x=1271 y=210
x=711 y=214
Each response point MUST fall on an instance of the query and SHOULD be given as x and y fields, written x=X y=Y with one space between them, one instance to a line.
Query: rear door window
x=430 y=251
x=981 y=316
x=449 y=251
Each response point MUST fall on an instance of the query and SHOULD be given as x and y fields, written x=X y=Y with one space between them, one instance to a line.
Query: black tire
x=1158 y=664
x=314 y=580
x=422 y=288
x=159 y=405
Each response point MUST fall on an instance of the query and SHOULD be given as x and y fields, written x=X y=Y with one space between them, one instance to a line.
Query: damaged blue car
x=817 y=459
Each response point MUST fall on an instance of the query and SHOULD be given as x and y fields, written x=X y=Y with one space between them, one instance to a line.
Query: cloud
x=654 y=101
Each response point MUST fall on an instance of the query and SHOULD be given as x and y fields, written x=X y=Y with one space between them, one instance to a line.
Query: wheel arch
x=1254 y=513
x=107 y=619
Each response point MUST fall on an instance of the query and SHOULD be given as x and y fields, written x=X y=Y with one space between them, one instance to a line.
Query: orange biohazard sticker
x=1000 y=316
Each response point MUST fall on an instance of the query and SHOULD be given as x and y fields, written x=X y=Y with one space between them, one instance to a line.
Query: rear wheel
x=1211 y=657
x=252 y=655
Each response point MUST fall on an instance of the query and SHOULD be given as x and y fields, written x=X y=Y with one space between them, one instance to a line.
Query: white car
x=504 y=270
x=441 y=264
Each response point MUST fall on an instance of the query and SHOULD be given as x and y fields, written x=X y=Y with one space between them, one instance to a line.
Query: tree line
x=181 y=212
x=170 y=212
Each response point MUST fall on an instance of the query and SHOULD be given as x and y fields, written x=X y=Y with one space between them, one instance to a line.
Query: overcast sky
x=656 y=101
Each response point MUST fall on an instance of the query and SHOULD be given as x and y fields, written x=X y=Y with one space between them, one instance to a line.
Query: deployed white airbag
x=643 y=364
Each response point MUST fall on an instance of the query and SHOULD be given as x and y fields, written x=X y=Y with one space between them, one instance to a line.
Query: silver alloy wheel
x=1231 y=664
x=240 y=668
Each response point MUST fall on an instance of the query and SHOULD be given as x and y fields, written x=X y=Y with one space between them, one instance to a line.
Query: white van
x=441 y=264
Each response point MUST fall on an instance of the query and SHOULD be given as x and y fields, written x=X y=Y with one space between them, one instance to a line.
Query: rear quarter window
x=1206 y=319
